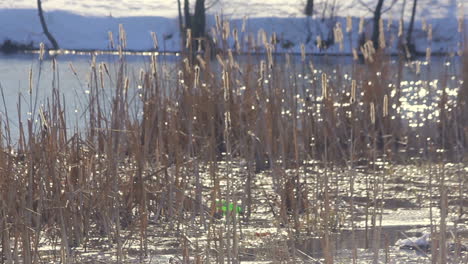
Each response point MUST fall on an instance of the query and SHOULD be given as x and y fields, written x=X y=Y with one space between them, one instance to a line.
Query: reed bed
x=301 y=150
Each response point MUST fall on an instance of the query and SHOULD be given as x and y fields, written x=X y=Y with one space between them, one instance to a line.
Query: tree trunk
x=309 y=9
x=409 y=41
x=377 y=15
x=199 y=19
x=187 y=16
x=181 y=21
x=44 y=26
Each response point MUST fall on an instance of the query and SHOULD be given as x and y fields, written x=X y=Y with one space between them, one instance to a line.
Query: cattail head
x=213 y=35
x=226 y=30
x=424 y=25
x=154 y=64
x=361 y=25
x=41 y=51
x=385 y=106
x=127 y=84
x=355 y=54
x=199 y=46
x=400 y=28
x=303 y=52
x=201 y=61
x=287 y=58
x=197 y=75
x=324 y=86
x=122 y=37
x=188 y=42
x=349 y=24
x=220 y=61
x=226 y=84
x=311 y=67
x=353 y=92
x=428 y=54
x=274 y=39
x=381 y=34
x=262 y=69
x=338 y=34
x=319 y=42
x=372 y=112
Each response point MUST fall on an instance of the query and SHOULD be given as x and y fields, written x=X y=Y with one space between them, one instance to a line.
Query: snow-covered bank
x=87 y=26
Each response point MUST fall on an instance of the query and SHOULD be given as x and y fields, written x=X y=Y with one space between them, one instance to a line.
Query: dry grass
x=166 y=153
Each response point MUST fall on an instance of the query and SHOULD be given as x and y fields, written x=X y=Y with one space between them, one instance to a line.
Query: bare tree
x=309 y=8
x=377 y=16
x=409 y=40
x=44 y=26
x=196 y=22
x=199 y=19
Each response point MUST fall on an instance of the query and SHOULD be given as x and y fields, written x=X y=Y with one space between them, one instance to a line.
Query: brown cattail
x=287 y=58
x=319 y=42
x=122 y=37
x=355 y=54
x=381 y=34
x=338 y=34
x=349 y=24
x=201 y=61
x=324 y=85
x=226 y=30
x=127 y=84
x=188 y=42
x=226 y=85
x=353 y=92
x=428 y=54
x=385 y=106
x=213 y=35
x=262 y=72
x=197 y=75
x=41 y=51
x=220 y=61
x=154 y=64
x=187 y=65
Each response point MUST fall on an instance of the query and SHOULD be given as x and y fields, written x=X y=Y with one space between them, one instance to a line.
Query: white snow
x=421 y=242
x=84 y=24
